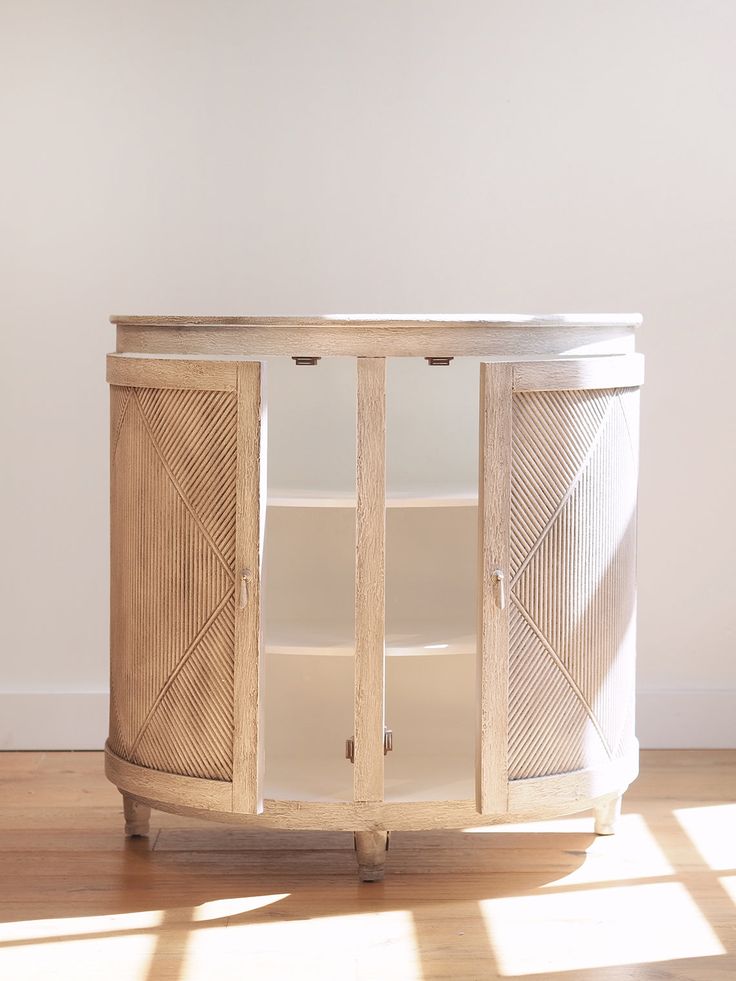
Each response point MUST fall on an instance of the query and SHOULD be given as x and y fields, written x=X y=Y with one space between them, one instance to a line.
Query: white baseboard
x=53 y=720
x=679 y=719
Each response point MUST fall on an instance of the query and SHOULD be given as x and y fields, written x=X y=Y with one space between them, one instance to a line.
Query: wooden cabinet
x=221 y=690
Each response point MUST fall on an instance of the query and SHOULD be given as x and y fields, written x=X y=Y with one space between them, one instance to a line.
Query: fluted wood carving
x=573 y=538
x=172 y=512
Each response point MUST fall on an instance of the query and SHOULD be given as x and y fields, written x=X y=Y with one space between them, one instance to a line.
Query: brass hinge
x=388 y=744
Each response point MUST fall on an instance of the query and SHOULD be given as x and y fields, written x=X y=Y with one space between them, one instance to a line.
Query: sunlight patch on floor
x=72 y=927
x=360 y=945
x=711 y=830
x=78 y=947
x=632 y=853
x=579 y=825
x=729 y=884
x=111 y=953
x=218 y=909
x=594 y=928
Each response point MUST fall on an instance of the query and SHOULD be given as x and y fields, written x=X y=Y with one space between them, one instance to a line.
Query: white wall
x=390 y=155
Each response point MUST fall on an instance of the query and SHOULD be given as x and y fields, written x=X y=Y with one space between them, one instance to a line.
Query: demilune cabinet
x=331 y=650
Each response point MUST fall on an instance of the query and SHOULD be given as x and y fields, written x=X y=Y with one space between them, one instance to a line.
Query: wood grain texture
x=369 y=339
x=129 y=370
x=137 y=817
x=248 y=742
x=577 y=790
x=529 y=800
x=607 y=815
x=557 y=500
x=172 y=517
x=394 y=320
x=494 y=496
x=537 y=376
x=370 y=848
x=573 y=565
x=199 y=900
x=174 y=789
x=370 y=548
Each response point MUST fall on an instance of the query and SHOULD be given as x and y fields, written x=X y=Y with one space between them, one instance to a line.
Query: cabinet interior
x=309 y=579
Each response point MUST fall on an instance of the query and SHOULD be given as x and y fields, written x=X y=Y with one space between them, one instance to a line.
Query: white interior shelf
x=309 y=580
x=431 y=437
x=334 y=640
x=407 y=778
x=315 y=499
x=431 y=580
x=430 y=708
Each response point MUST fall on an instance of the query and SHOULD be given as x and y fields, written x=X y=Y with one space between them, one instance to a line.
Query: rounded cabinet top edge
x=622 y=320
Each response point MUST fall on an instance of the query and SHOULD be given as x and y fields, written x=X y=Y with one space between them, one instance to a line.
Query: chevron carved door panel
x=557 y=651
x=185 y=518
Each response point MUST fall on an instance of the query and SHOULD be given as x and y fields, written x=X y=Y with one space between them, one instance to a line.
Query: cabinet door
x=557 y=528
x=186 y=525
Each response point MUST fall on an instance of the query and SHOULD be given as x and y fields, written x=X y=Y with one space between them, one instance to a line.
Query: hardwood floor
x=200 y=900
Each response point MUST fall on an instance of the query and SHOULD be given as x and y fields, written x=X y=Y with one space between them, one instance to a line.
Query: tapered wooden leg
x=607 y=814
x=137 y=817
x=371 y=847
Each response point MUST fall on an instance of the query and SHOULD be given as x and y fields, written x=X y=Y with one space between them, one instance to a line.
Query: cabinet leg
x=371 y=848
x=607 y=814
x=137 y=817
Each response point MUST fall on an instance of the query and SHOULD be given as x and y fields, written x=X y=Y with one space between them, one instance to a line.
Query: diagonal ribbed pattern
x=119 y=399
x=553 y=432
x=172 y=614
x=549 y=729
x=203 y=467
x=576 y=579
x=204 y=725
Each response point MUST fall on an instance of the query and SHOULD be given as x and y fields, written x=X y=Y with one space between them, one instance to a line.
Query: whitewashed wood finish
x=529 y=800
x=369 y=338
x=607 y=814
x=172 y=513
x=174 y=789
x=186 y=441
x=137 y=817
x=371 y=847
x=385 y=320
x=494 y=499
x=576 y=373
x=573 y=542
x=248 y=729
x=559 y=698
x=365 y=341
x=370 y=560
x=171 y=373
x=576 y=790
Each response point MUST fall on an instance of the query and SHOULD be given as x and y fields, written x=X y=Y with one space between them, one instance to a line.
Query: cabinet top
x=391 y=320
x=380 y=335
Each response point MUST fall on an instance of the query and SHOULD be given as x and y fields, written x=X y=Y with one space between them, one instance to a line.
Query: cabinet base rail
x=535 y=799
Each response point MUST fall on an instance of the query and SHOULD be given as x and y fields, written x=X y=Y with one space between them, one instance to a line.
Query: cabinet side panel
x=573 y=596
x=172 y=523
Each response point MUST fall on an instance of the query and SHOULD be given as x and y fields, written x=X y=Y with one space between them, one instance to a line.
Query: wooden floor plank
x=199 y=900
